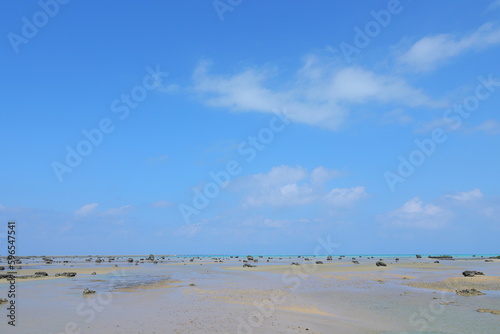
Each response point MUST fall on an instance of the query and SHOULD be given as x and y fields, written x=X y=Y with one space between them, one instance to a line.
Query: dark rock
x=441 y=257
x=88 y=292
x=472 y=273
x=489 y=261
x=295 y=264
x=2 y=268
x=41 y=273
x=329 y=258
x=94 y=273
x=8 y=276
x=249 y=265
x=436 y=261
x=192 y=284
x=319 y=262
x=418 y=256
x=130 y=259
x=66 y=274
x=380 y=264
x=355 y=262
x=151 y=257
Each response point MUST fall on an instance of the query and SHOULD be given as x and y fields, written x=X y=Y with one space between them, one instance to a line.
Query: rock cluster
x=469 y=292
x=88 y=292
x=66 y=274
x=472 y=273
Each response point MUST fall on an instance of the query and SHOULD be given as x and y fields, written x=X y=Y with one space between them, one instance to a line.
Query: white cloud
x=279 y=187
x=295 y=186
x=345 y=197
x=467 y=196
x=86 y=209
x=321 y=175
x=414 y=214
x=320 y=93
x=429 y=52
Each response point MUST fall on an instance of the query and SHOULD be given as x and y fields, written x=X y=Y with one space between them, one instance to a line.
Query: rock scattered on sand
x=380 y=264
x=469 y=292
x=151 y=257
x=295 y=264
x=418 y=256
x=486 y=310
x=319 y=262
x=436 y=261
x=3 y=301
x=192 y=284
x=355 y=262
x=489 y=261
x=66 y=274
x=94 y=273
x=329 y=258
x=248 y=265
x=41 y=273
x=2 y=268
x=130 y=259
x=8 y=276
x=88 y=292
x=472 y=273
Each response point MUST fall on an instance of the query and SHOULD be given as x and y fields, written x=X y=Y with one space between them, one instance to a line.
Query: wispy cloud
x=157 y=159
x=490 y=127
x=161 y=204
x=429 y=52
x=494 y=5
x=117 y=211
x=467 y=195
x=320 y=93
x=345 y=197
x=86 y=209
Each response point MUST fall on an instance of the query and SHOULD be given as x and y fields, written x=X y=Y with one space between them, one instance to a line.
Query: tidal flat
x=207 y=294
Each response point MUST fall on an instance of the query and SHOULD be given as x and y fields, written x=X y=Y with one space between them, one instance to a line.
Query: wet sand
x=205 y=296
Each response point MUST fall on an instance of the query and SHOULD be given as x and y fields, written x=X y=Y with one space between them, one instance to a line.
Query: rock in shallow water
x=469 y=292
x=486 y=310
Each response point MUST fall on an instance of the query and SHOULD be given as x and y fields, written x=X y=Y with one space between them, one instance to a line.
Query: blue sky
x=373 y=124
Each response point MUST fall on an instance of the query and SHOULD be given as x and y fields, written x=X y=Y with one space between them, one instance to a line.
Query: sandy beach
x=204 y=295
